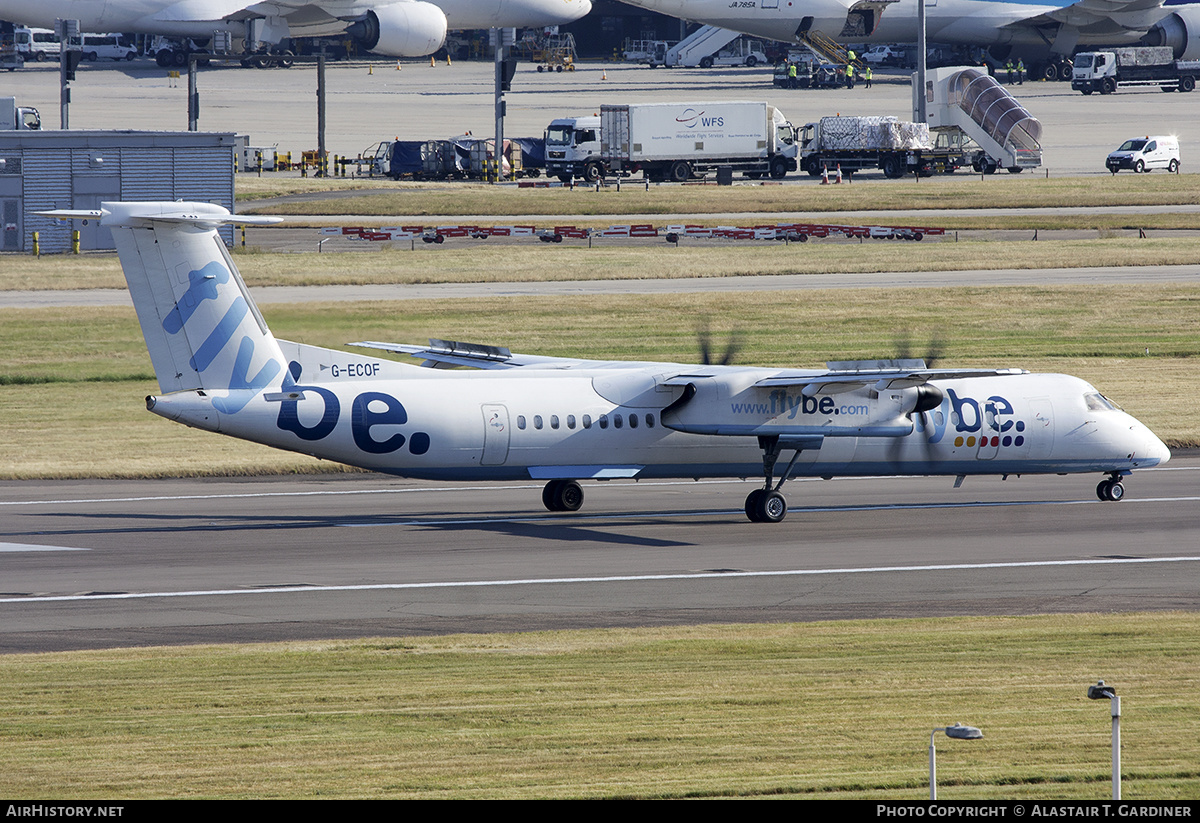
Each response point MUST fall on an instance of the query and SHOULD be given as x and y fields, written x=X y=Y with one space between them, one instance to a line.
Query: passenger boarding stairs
x=967 y=99
x=828 y=49
x=698 y=47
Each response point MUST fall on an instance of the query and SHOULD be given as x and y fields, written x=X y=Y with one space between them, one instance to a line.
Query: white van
x=110 y=46
x=36 y=44
x=1146 y=153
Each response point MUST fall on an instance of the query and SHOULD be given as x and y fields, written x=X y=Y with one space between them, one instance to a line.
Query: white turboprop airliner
x=513 y=416
x=400 y=28
x=1044 y=34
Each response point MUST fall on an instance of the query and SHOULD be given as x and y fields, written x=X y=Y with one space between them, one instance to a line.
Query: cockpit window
x=1098 y=402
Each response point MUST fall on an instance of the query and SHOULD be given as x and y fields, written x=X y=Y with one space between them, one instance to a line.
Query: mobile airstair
x=828 y=49
x=967 y=99
x=698 y=48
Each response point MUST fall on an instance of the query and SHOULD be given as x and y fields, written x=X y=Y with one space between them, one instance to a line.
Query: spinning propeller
x=706 y=354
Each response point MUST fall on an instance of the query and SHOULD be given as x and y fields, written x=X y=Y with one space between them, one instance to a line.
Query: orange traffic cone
x=824 y=175
x=431 y=63
x=838 y=179
x=448 y=58
x=604 y=74
x=397 y=65
x=370 y=69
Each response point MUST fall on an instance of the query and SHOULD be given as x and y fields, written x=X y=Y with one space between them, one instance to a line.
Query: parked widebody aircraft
x=510 y=416
x=399 y=28
x=1044 y=35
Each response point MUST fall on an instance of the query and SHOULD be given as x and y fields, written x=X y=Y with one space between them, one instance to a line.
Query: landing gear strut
x=1111 y=489
x=768 y=505
x=562 y=496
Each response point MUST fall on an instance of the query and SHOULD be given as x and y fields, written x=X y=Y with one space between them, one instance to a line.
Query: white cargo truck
x=573 y=149
x=1107 y=71
x=12 y=116
x=679 y=141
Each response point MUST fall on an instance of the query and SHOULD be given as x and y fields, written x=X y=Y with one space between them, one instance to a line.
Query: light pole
x=1103 y=692
x=959 y=732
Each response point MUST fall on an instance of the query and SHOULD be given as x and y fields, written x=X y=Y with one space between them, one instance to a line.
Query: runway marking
x=251 y=495
x=33 y=547
x=567 y=520
x=509 y=487
x=631 y=578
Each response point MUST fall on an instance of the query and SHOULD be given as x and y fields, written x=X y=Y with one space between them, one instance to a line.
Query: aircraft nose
x=1147 y=449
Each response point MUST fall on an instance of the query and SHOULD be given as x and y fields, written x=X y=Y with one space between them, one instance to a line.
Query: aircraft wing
x=449 y=353
x=838 y=379
x=187 y=11
x=1101 y=17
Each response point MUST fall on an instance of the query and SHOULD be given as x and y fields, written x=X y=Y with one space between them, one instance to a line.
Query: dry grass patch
x=829 y=710
x=479 y=262
x=958 y=191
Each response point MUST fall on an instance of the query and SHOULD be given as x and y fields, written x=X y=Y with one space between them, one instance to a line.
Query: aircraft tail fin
x=201 y=325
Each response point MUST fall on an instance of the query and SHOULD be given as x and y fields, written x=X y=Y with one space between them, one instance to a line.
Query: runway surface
x=265 y=295
x=113 y=563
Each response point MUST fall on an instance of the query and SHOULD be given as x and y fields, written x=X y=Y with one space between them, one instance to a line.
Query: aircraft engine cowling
x=1180 y=30
x=402 y=29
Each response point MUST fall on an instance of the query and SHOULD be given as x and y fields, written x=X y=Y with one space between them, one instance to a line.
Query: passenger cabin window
x=537 y=421
x=554 y=421
x=570 y=421
x=520 y=421
x=604 y=421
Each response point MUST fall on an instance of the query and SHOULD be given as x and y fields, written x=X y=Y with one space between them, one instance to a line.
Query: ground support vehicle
x=965 y=102
x=886 y=143
x=573 y=149
x=1146 y=153
x=10 y=58
x=14 y=117
x=36 y=45
x=1107 y=71
x=107 y=47
x=812 y=72
x=679 y=141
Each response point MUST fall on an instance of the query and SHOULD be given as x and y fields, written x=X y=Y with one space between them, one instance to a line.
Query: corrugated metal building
x=41 y=170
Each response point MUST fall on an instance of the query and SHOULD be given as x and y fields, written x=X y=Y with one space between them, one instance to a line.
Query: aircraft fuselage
x=511 y=424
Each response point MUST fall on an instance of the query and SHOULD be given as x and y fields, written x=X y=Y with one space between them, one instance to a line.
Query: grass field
x=87 y=375
x=474 y=261
x=818 y=710
x=950 y=191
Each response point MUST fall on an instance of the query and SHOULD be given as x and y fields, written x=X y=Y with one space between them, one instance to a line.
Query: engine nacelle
x=409 y=29
x=1180 y=30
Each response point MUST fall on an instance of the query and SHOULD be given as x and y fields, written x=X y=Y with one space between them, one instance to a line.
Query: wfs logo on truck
x=690 y=118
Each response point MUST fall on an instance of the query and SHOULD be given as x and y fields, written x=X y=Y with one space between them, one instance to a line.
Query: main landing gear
x=562 y=496
x=1111 y=489
x=768 y=505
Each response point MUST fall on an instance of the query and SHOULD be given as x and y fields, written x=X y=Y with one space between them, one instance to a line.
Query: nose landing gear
x=1111 y=489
